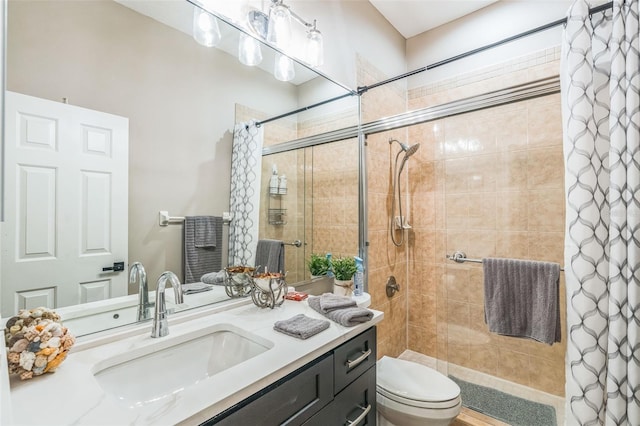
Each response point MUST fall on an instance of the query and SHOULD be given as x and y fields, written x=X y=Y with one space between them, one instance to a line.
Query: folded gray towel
x=330 y=302
x=195 y=288
x=215 y=278
x=205 y=231
x=301 y=326
x=345 y=316
x=521 y=298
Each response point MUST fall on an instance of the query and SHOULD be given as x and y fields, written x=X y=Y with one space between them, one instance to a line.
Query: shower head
x=408 y=150
x=411 y=150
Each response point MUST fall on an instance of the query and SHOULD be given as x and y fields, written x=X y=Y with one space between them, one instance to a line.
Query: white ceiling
x=413 y=17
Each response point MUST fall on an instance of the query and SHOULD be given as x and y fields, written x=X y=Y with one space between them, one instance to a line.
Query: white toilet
x=411 y=394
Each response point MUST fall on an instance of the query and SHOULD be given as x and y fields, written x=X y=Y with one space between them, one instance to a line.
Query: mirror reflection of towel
x=270 y=254
x=205 y=231
x=201 y=260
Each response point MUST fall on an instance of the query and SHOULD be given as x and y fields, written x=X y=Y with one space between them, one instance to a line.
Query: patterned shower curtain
x=600 y=82
x=246 y=172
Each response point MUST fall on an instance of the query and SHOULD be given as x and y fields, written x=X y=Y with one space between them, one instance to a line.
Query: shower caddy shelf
x=277 y=214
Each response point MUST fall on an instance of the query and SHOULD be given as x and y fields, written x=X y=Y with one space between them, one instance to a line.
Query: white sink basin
x=169 y=364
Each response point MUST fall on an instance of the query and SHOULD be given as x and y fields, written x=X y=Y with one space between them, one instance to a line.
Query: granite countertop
x=73 y=396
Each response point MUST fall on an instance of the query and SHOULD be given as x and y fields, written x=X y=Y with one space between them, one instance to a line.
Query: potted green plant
x=343 y=269
x=318 y=265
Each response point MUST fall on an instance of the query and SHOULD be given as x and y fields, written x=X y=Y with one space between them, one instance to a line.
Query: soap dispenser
x=273 y=182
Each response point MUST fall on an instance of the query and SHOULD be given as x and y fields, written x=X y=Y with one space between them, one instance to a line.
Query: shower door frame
x=517 y=93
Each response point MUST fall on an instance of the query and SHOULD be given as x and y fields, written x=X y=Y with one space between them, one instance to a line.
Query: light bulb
x=315 y=50
x=279 y=31
x=283 y=68
x=205 y=28
x=249 y=51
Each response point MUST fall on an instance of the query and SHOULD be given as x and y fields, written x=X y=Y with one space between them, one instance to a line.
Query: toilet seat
x=415 y=385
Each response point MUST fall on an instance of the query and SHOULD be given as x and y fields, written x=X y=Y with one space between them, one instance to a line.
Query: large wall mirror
x=136 y=65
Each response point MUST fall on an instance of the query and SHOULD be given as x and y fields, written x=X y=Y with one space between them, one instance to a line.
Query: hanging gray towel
x=301 y=326
x=270 y=254
x=201 y=260
x=521 y=298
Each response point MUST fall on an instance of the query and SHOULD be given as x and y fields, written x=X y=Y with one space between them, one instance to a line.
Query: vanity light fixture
x=249 y=52
x=315 y=48
x=274 y=28
x=283 y=68
x=279 y=32
x=205 y=28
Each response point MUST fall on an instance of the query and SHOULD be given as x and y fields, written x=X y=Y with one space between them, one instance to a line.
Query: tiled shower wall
x=489 y=183
x=335 y=198
x=493 y=187
x=385 y=259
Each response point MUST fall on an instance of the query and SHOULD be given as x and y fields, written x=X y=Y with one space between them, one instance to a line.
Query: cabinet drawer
x=290 y=401
x=354 y=358
x=356 y=402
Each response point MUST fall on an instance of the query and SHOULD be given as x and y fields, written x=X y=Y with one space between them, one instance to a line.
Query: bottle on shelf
x=282 y=185
x=273 y=182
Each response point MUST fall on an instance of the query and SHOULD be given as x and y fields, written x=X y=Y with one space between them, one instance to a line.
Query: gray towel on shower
x=301 y=326
x=522 y=298
x=344 y=316
x=198 y=261
x=270 y=254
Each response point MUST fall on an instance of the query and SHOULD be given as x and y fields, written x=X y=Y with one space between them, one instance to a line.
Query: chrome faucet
x=160 y=324
x=137 y=273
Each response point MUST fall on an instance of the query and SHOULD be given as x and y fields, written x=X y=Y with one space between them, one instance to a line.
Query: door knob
x=117 y=267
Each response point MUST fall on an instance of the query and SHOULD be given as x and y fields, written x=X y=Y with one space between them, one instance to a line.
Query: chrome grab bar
x=460 y=257
x=296 y=243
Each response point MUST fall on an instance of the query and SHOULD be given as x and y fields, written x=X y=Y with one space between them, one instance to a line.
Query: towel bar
x=460 y=257
x=296 y=243
x=164 y=219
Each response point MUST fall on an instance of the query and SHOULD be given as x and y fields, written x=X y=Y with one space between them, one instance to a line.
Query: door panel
x=66 y=204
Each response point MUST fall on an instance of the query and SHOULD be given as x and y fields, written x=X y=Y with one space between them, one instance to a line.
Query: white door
x=66 y=198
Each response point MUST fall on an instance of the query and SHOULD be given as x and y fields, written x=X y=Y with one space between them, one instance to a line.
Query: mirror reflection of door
x=66 y=176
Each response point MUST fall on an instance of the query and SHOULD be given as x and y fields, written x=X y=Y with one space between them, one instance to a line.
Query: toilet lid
x=397 y=378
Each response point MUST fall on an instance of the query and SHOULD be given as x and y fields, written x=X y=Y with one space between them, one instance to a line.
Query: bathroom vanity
x=216 y=366
x=338 y=387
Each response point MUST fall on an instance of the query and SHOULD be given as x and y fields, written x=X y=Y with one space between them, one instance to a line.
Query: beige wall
x=179 y=98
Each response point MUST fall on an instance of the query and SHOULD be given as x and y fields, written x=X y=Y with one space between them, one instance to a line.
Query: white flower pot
x=343 y=288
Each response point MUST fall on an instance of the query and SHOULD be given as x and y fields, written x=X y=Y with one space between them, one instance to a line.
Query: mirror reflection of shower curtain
x=246 y=169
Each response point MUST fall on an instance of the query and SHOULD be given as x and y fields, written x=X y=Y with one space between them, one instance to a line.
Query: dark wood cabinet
x=336 y=388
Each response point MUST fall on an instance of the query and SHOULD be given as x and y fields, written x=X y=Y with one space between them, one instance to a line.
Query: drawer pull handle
x=354 y=363
x=361 y=416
